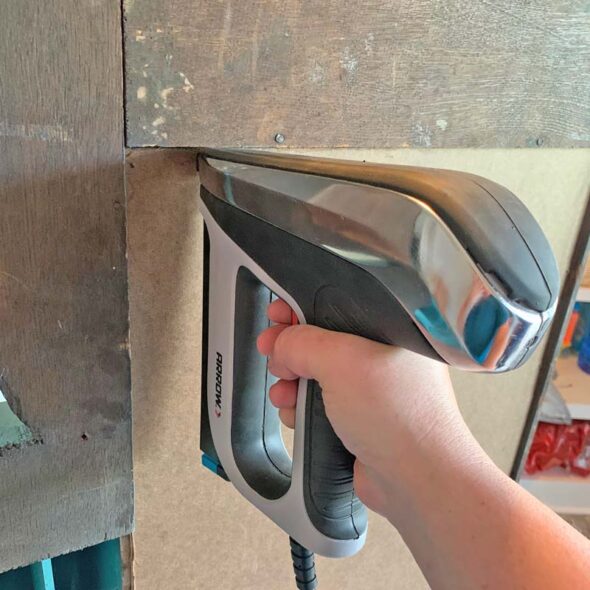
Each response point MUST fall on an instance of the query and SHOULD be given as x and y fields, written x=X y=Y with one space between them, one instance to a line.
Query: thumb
x=314 y=353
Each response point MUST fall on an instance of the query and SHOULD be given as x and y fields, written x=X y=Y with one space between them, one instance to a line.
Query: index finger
x=314 y=353
x=280 y=312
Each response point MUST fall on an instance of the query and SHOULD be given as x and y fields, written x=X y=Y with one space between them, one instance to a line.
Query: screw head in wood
x=280 y=138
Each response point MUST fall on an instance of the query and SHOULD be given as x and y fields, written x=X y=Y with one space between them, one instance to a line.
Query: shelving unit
x=574 y=386
x=561 y=491
x=564 y=492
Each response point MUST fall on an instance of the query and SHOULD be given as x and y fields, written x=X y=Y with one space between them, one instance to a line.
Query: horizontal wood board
x=343 y=73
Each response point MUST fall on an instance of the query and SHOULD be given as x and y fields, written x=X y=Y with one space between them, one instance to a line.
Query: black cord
x=303 y=566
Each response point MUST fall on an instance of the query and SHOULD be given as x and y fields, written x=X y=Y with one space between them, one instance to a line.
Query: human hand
x=418 y=465
x=385 y=403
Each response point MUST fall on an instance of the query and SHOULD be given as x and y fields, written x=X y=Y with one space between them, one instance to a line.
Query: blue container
x=584 y=355
x=582 y=326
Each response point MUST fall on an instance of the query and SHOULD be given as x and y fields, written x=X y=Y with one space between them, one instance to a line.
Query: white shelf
x=574 y=386
x=583 y=295
x=561 y=491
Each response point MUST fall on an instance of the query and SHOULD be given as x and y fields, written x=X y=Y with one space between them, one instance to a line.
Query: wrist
x=431 y=465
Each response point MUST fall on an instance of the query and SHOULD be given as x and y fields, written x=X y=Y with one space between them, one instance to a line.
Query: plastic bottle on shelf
x=571 y=327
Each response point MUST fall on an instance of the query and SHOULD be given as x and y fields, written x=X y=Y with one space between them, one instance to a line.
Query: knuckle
x=285 y=340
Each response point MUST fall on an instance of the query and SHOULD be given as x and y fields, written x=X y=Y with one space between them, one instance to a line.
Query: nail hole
x=84 y=436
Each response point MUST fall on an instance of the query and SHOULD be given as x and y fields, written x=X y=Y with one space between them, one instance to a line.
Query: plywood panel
x=337 y=73
x=194 y=530
x=64 y=362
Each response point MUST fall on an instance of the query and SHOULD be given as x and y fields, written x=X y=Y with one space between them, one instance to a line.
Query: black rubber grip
x=329 y=464
x=329 y=495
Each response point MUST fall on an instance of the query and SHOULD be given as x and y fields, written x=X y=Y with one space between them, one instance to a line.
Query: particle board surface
x=343 y=73
x=194 y=530
x=64 y=364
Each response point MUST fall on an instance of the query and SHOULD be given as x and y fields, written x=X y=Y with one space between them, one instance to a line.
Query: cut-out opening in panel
x=288 y=435
x=13 y=432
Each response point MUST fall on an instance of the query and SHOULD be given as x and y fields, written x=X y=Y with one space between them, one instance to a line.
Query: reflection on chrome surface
x=464 y=313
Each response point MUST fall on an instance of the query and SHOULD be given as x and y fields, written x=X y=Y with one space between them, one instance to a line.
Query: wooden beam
x=63 y=279
x=343 y=73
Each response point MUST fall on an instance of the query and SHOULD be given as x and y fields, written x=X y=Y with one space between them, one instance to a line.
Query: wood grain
x=378 y=73
x=63 y=278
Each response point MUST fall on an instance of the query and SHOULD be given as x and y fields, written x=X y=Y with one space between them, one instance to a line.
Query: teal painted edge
x=95 y=568
x=209 y=463
x=42 y=574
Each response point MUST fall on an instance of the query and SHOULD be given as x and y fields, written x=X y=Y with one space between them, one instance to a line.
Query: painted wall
x=193 y=531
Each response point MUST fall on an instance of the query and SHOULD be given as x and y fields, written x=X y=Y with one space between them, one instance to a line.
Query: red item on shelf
x=560 y=445
x=571 y=328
